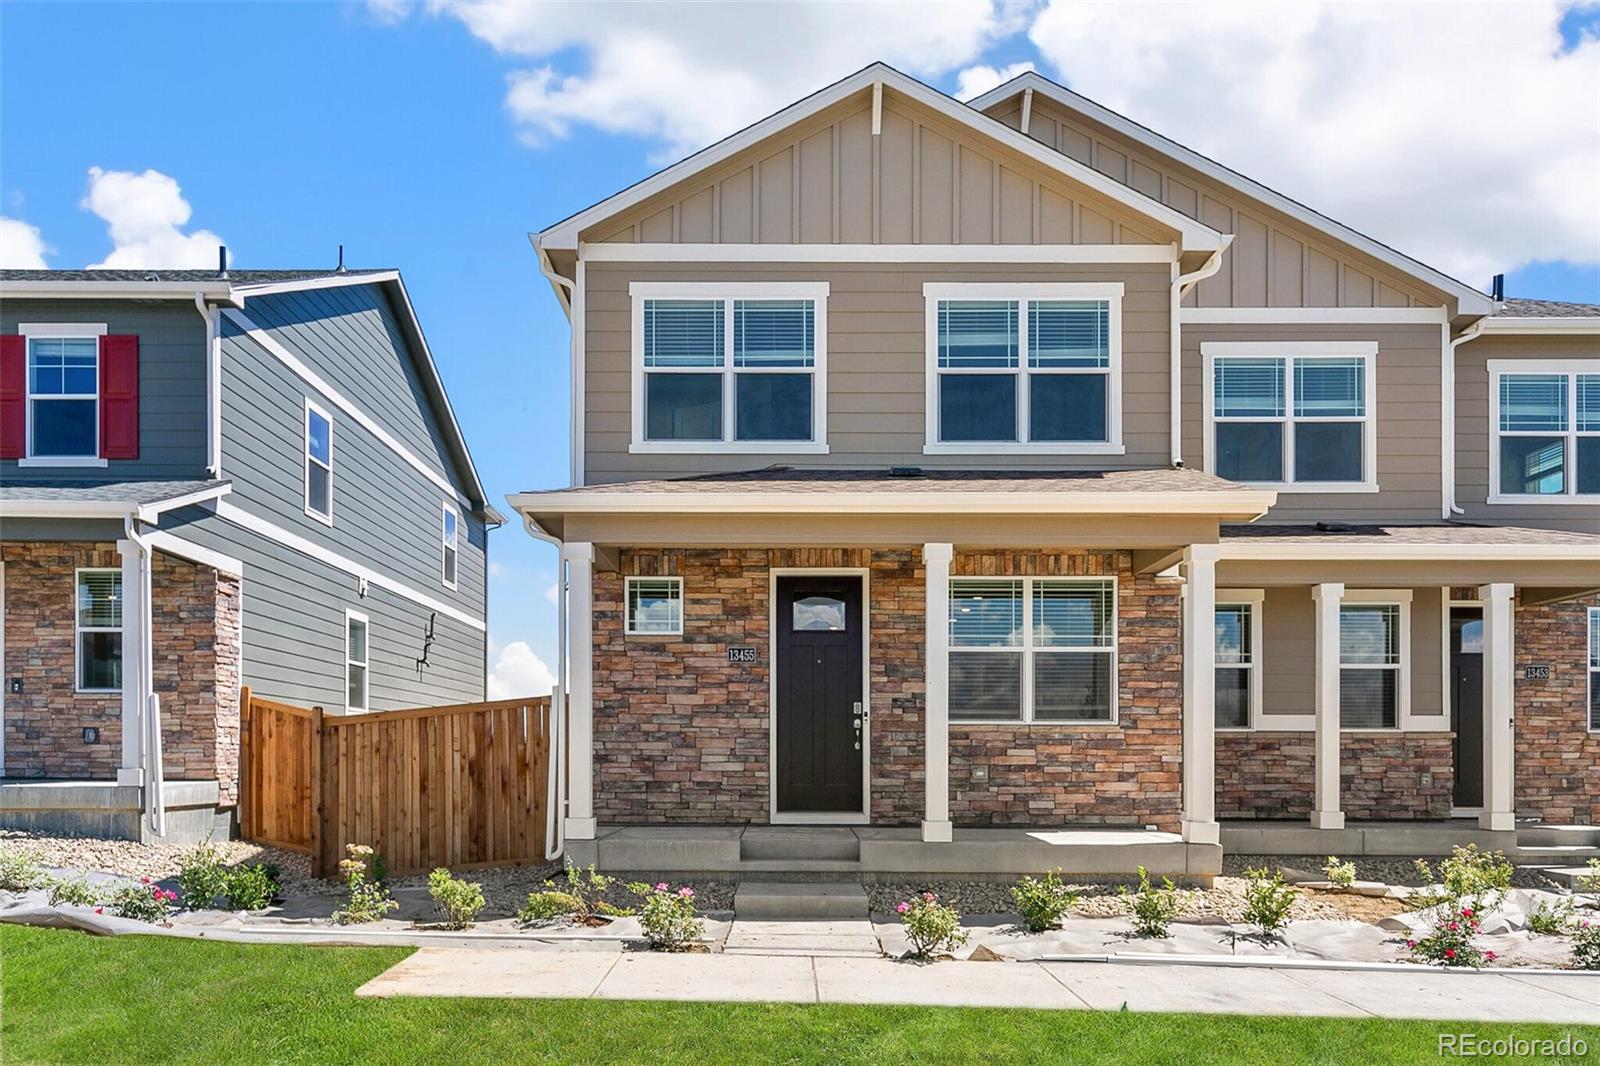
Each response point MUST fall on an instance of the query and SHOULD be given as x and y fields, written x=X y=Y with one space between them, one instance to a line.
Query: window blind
x=1329 y=388
x=978 y=333
x=773 y=333
x=683 y=333
x=1073 y=614
x=985 y=614
x=1069 y=333
x=1588 y=403
x=1249 y=388
x=1533 y=402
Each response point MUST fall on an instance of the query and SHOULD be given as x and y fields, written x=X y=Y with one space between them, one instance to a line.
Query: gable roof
x=1194 y=235
x=235 y=287
x=1471 y=300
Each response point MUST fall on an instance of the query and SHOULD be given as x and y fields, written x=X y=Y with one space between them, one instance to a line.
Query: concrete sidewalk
x=1499 y=996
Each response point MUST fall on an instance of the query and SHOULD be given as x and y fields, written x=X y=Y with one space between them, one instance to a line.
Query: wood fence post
x=246 y=764
x=314 y=766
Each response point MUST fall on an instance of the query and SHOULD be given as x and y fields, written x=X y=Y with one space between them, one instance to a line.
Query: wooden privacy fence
x=453 y=786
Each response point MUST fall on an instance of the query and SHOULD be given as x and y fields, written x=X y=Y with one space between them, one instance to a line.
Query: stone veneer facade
x=1382 y=776
x=1557 y=756
x=681 y=735
x=196 y=654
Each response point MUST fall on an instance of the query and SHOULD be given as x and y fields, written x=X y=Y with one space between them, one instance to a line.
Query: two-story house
x=940 y=468
x=211 y=479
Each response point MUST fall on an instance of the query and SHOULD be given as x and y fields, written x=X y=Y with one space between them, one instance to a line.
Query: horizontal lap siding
x=876 y=364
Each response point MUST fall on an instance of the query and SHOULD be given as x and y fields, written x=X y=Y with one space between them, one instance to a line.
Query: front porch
x=113 y=811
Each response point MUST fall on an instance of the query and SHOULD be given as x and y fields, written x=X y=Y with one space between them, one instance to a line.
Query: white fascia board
x=113 y=509
x=876 y=253
x=1577 y=326
x=1235 y=502
x=1472 y=302
x=1195 y=236
x=141 y=290
x=149 y=512
x=1333 y=316
x=1345 y=551
x=333 y=281
x=183 y=549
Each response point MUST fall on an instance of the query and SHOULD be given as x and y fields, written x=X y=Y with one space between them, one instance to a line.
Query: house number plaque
x=741 y=653
x=1536 y=672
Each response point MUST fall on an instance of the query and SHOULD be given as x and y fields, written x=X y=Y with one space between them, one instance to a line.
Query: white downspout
x=556 y=783
x=1447 y=415
x=1181 y=284
x=213 y=386
x=155 y=807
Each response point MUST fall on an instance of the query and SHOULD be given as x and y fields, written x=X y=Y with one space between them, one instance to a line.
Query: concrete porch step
x=1548 y=836
x=1568 y=855
x=836 y=939
x=798 y=843
x=778 y=900
x=1566 y=876
x=800 y=870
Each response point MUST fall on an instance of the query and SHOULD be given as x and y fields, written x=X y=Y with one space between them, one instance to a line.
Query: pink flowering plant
x=930 y=926
x=667 y=915
x=1449 y=943
x=143 y=902
x=1586 y=944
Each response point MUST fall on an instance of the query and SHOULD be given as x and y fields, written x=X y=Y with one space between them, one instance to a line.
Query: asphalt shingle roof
x=238 y=277
x=129 y=492
x=1518 y=308
x=783 y=479
x=1435 y=533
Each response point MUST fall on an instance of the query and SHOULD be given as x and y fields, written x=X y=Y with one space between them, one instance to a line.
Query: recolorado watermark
x=1473 y=1046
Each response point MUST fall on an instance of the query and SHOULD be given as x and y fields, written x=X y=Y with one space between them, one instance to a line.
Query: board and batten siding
x=876 y=361
x=1474 y=436
x=1275 y=261
x=1408 y=397
x=172 y=385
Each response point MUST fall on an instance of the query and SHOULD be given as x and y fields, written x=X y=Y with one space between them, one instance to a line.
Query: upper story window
x=450 y=538
x=730 y=367
x=1024 y=368
x=64 y=397
x=1296 y=416
x=1545 y=418
x=319 y=463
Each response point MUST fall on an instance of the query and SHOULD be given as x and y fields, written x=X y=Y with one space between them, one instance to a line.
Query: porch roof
x=1425 y=541
x=143 y=500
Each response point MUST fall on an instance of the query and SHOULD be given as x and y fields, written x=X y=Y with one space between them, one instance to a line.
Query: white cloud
x=686 y=74
x=144 y=215
x=1461 y=134
x=975 y=81
x=22 y=246
x=518 y=672
x=553 y=593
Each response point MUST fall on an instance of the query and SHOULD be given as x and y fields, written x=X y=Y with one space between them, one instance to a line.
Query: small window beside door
x=1594 y=669
x=654 y=606
x=1372 y=684
x=99 y=630
x=1238 y=688
x=356 y=653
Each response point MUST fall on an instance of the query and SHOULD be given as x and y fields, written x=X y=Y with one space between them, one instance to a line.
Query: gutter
x=213 y=384
x=570 y=295
x=555 y=800
x=1447 y=416
x=1181 y=284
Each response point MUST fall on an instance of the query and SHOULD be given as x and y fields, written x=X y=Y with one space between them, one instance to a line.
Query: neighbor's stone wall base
x=1382 y=776
x=1557 y=759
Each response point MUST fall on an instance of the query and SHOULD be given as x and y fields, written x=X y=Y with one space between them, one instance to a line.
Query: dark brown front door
x=1466 y=702
x=820 y=726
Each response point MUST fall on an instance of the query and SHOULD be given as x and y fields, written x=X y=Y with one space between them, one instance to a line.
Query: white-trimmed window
x=1545 y=418
x=357 y=652
x=1374 y=661
x=1293 y=416
x=1023 y=368
x=654 y=606
x=99 y=630
x=319 y=462
x=1594 y=669
x=1033 y=649
x=64 y=393
x=1238 y=658
x=730 y=367
x=450 y=541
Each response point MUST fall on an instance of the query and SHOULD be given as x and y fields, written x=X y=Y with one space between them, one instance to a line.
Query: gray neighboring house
x=214 y=479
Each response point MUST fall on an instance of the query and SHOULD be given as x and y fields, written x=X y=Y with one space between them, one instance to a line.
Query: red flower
x=1449 y=953
x=99 y=910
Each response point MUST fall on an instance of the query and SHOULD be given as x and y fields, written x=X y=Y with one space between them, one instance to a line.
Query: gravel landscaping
x=1225 y=899
x=1389 y=870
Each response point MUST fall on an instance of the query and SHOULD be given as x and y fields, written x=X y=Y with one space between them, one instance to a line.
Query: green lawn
x=73 y=998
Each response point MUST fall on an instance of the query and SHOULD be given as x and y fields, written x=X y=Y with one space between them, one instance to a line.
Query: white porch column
x=1325 y=811
x=936 y=826
x=135 y=632
x=580 y=824
x=1200 y=695
x=1499 y=792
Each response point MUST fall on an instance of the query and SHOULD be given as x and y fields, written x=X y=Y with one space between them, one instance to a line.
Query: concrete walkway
x=786 y=978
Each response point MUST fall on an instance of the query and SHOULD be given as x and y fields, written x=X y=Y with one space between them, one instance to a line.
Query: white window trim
x=365 y=664
x=627 y=599
x=30 y=332
x=1027 y=649
x=78 y=629
x=1593 y=670
x=1571 y=368
x=1110 y=291
x=1255 y=599
x=815 y=291
x=1367 y=351
x=447 y=543
x=306 y=459
x=1403 y=721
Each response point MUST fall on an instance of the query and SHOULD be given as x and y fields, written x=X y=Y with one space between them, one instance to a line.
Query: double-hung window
x=64 y=397
x=1033 y=649
x=730 y=367
x=1020 y=368
x=1546 y=422
x=450 y=540
x=655 y=606
x=99 y=630
x=1238 y=659
x=1292 y=416
x=356 y=661
x=1372 y=665
x=1594 y=669
x=319 y=463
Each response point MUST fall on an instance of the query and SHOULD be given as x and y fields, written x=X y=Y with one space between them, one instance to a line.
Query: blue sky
x=293 y=128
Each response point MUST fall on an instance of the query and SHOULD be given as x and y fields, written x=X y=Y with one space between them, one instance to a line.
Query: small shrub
x=546 y=907
x=1590 y=882
x=1152 y=910
x=1043 y=902
x=666 y=916
x=930 y=925
x=20 y=870
x=76 y=891
x=1339 y=874
x=1551 y=919
x=143 y=902
x=1267 y=900
x=201 y=877
x=367 y=901
x=249 y=888
x=1586 y=945
x=587 y=888
x=1478 y=879
x=1449 y=943
x=458 y=901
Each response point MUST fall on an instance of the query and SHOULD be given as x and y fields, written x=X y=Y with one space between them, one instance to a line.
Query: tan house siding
x=1408 y=403
x=876 y=364
x=1474 y=439
x=923 y=180
x=1275 y=261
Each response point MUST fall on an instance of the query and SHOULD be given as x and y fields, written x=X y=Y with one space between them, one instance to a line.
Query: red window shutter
x=119 y=397
x=13 y=396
